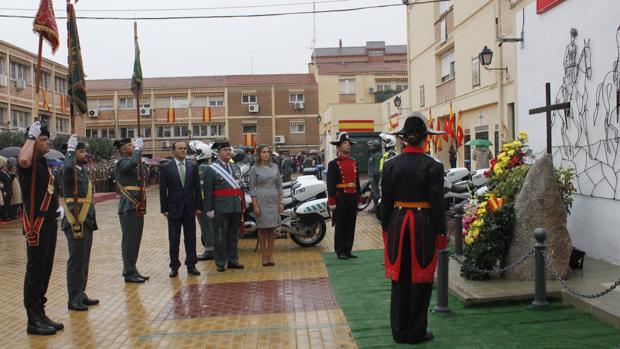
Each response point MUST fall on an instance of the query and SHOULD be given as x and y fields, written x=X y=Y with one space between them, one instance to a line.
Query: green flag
x=136 y=79
x=77 y=86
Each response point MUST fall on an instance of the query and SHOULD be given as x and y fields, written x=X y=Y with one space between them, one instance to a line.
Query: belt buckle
x=78 y=232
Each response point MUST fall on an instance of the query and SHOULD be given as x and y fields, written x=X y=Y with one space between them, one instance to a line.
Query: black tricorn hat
x=121 y=142
x=416 y=123
x=343 y=136
x=217 y=145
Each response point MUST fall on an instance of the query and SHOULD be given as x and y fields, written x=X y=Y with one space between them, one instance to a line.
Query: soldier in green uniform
x=79 y=223
x=374 y=160
x=131 y=206
x=223 y=202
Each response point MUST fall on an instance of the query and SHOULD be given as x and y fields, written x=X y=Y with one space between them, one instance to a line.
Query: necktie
x=182 y=172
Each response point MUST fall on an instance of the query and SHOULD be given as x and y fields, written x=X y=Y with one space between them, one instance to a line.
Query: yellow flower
x=475 y=233
x=511 y=152
x=523 y=136
x=484 y=204
x=518 y=143
x=469 y=241
x=478 y=223
x=498 y=170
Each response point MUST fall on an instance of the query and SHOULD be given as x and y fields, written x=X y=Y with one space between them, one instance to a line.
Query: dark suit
x=181 y=202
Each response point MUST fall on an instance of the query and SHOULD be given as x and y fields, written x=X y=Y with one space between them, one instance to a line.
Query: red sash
x=32 y=237
x=218 y=193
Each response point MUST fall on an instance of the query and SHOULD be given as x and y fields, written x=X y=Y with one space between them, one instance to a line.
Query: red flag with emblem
x=460 y=136
x=45 y=24
x=171 y=116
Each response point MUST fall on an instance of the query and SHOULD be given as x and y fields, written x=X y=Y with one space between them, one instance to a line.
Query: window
x=208 y=130
x=127 y=132
x=60 y=85
x=475 y=72
x=1 y=65
x=467 y=150
x=180 y=131
x=3 y=118
x=248 y=128
x=347 y=86
x=89 y=133
x=215 y=101
x=496 y=140
x=178 y=102
x=401 y=87
x=375 y=53
x=444 y=6
x=443 y=31
x=19 y=118
x=103 y=133
x=298 y=126
x=447 y=66
x=217 y=129
x=62 y=125
x=248 y=99
x=19 y=71
x=146 y=132
x=46 y=80
x=295 y=97
x=385 y=86
x=126 y=103
x=104 y=104
x=422 y=97
x=164 y=131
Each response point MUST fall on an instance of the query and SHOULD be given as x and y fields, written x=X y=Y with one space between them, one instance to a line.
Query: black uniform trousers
x=409 y=304
x=225 y=238
x=346 y=216
x=131 y=228
x=77 y=264
x=189 y=241
x=39 y=265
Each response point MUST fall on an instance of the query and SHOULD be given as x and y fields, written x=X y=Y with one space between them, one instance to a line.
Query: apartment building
x=280 y=110
x=17 y=91
x=444 y=42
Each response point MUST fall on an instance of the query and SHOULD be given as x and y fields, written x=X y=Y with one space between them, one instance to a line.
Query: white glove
x=138 y=143
x=211 y=214
x=72 y=142
x=35 y=129
x=332 y=207
x=61 y=213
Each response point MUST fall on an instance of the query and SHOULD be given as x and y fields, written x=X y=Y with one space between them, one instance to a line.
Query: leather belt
x=412 y=204
x=129 y=187
x=79 y=200
x=346 y=185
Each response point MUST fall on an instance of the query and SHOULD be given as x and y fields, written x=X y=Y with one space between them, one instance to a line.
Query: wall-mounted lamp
x=398 y=102
x=486 y=56
x=318 y=118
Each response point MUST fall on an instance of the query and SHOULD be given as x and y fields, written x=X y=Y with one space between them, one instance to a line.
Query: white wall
x=595 y=216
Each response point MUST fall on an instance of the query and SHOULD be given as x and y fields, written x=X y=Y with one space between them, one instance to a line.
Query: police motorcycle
x=366 y=196
x=460 y=182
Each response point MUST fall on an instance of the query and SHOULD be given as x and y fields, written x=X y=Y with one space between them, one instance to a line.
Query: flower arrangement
x=513 y=154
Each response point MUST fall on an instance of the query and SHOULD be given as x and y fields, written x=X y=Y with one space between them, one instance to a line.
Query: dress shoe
x=235 y=266
x=77 y=307
x=36 y=325
x=342 y=256
x=173 y=273
x=205 y=256
x=192 y=271
x=90 y=301
x=56 y=325
x=144 y=277
x=427 y=337
x=134 y=279
x=221 y=269
x=350 y=255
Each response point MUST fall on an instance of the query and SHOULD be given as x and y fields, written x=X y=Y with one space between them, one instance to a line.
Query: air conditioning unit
x=93 y=113
x=253 y=108
x=165 y=144
x=278 y=139
x=145 y=111
x=20 y=84
x=4 y=81
x=298 y=105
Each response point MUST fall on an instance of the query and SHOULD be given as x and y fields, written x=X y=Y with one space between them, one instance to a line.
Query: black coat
x=178 y=200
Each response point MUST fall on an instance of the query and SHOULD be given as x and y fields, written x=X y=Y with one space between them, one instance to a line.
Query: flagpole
x=71 y=110
x=137 y=95
x=33 y=177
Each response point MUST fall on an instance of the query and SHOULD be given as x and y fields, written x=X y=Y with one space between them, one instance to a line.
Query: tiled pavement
x=287 y=306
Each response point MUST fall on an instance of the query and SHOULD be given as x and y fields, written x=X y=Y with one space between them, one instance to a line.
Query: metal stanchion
x=540 y=286
x=442 y=283
x=459 y=211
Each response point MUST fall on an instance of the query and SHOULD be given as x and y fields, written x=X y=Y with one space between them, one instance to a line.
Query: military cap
x=121 y=142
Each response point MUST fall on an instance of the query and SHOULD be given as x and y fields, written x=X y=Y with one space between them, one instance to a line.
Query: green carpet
x=363 y=293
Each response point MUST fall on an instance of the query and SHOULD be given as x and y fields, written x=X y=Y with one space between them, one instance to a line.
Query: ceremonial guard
x=40 y=227
x=343 y=189
x=131 y=206
x=79 y=223
x=413 y=224
x=224 y=204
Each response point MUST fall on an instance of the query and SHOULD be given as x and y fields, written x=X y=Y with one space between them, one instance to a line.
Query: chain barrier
x=572 y=290
x=498 y=270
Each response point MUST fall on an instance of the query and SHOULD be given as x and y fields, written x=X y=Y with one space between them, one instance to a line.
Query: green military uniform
x=225 y=200
x=78 y=225
x=374 y=174
x=206 y=223
x=126 y=174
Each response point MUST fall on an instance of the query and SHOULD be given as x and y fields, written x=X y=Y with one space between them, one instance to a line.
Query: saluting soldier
x=343 y=191
x=413 y=224
x=41 y=239
x=131 y=206
x=79 y=223
x=223 y=201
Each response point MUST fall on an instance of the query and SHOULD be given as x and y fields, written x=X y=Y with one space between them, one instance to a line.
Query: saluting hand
x=72 y=143
x=35 y=129
x=138 y=143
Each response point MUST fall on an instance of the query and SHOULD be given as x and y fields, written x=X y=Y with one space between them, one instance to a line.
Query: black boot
x=56 y=325
x=36 y=324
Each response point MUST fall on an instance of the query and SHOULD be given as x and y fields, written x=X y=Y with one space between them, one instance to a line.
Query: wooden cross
x=548 y=108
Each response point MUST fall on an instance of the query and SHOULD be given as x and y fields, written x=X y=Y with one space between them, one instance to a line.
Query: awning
x=248 y=93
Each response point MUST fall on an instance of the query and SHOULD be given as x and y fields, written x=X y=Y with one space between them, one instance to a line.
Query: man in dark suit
x=180 y=200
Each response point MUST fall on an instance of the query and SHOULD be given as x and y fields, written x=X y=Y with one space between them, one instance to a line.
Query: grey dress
x=266 y=186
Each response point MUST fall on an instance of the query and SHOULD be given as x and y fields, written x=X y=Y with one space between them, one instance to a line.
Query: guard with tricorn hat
x=343 y=192
x=412 y=219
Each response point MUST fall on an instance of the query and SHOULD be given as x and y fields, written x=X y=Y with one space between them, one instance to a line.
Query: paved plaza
x=290 y=305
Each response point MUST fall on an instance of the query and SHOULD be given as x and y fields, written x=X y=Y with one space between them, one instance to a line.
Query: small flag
x=206 y=114
x=249 y=139
x=394 y=121
x=171 y=115
x=63 y=103
x=46 y=104
x=45 y=24
x=496 y=203
x=136 y=79
x=451 y=123
x=460 y=136
x=446 y=127
x=438 y=142
x=76 y=85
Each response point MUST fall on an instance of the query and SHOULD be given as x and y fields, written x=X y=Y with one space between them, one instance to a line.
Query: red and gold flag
x=451 y=123
x=393 y=121
x=496 y=203
x=171 y=116
x=206 y=114
x=438 y=142
x=249 y=140
x=45 y=24
x=446 y=127
x=460 y=136
x=46 y=105
x=63 y=104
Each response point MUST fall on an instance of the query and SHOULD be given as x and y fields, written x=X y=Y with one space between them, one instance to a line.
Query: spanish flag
x=206 y=114
x=393 y=121
x=46 y=104
x=496 y=203
x=63 y=103
x=438 y=142
x=249 y=140
x=171 y=115
x=451 y=124
x=356 y=125
x=459 y=131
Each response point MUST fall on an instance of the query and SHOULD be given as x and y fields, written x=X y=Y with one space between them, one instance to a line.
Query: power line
x=223 y=16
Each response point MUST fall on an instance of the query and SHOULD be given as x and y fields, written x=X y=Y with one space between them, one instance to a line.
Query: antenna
x=313 y=31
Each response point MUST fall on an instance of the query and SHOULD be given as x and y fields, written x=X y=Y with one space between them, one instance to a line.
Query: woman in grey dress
x=266 y=192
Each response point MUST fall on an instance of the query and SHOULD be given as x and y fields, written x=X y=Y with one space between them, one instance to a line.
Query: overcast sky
x=207 y=46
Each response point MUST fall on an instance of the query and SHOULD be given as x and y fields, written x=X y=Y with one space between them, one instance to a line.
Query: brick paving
x=288 y=306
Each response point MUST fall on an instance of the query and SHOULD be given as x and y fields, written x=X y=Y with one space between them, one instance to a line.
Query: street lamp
x=397 y=102
x=486 y=56
x=318 y=118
